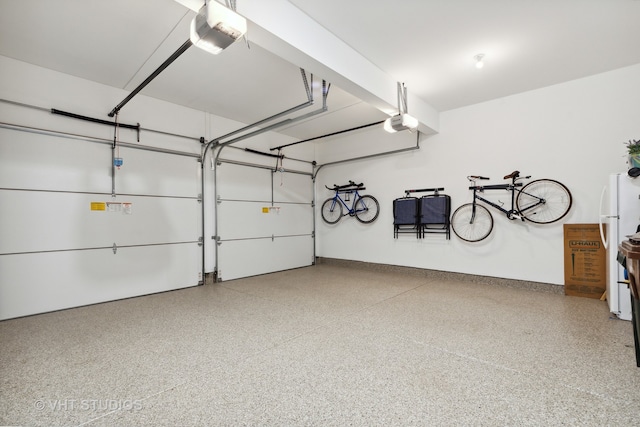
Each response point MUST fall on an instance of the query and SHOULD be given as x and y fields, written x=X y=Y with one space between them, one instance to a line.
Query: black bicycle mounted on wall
x=542 y=201
x=365 y=208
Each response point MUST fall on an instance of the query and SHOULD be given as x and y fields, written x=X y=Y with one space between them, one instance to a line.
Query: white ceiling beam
x=285 y=30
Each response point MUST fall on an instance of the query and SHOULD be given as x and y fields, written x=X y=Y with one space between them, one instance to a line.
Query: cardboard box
x=585 y=261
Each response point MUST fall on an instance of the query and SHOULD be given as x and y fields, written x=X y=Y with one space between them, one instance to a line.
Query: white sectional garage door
x=265 y=220
x=65 y=241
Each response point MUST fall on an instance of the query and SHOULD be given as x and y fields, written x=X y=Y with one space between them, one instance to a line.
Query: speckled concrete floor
x=321 y=346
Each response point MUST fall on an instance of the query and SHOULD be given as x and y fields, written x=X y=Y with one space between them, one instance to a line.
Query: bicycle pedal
x=512 y=216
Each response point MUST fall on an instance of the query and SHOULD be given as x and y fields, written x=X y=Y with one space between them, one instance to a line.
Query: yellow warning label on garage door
x=98 y=206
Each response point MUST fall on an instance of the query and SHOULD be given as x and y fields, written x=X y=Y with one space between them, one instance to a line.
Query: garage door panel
x=241 y=220
x=238 y=182
x=265 y=220
x=45 y=221
x=38 y=283
x=155 y=173
x=36 y=161
x=292 y=187
x=244 y=258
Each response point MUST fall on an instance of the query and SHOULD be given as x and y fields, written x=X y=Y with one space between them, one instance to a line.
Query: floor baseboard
x=438 y=274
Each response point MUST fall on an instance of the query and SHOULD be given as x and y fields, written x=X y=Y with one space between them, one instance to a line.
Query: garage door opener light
x=402 y=120
x=215 y=27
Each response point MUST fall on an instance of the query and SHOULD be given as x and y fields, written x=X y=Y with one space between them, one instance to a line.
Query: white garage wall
x=573 y=132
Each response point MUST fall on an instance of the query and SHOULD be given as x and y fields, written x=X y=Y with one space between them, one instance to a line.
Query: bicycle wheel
x=331 y=210
x=544 y=201
x=470 y=225
x=367 y=209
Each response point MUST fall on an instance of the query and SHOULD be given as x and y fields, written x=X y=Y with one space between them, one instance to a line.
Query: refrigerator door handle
x=602 y=236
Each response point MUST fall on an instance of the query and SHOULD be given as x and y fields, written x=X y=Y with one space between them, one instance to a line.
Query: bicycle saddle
x=513 y=174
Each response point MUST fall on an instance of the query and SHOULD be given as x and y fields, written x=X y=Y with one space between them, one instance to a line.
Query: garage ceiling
x=427 y=44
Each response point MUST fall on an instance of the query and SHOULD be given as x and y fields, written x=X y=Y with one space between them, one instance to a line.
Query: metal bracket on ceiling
x=306 y=84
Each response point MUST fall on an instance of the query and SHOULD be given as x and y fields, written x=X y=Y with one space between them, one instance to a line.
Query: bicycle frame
x=351 y=210
x=512 y=213
x=509 y=187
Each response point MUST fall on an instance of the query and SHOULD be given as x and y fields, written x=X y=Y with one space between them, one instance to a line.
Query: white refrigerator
x=620 y=210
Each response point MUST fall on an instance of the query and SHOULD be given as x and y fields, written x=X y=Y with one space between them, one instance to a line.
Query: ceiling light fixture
x=479 y=60
x=402 y=120
x=215 y=27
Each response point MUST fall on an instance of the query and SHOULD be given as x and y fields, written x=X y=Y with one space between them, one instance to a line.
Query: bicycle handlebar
x=513 y=175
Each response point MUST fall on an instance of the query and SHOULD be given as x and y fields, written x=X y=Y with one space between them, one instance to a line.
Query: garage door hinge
x=200 y=240
x=218 y=199
x=199 y=197
x=115 y=248
x=217 y=239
